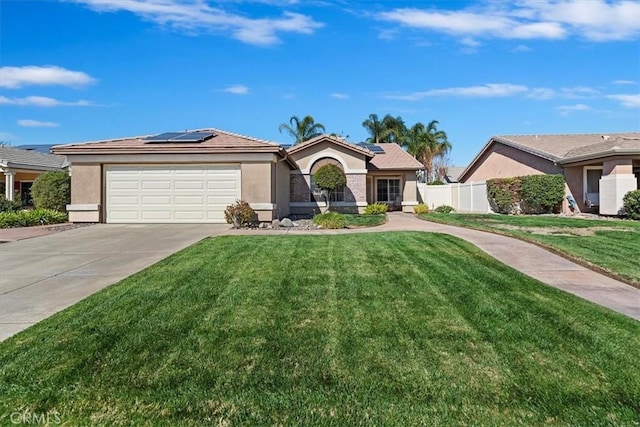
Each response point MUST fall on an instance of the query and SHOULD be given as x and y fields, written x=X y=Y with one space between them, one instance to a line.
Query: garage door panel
x=189 y=200
x=124 y=200
x=156 y=200
x=156 y=185
x=189 y=185
x=172 y=193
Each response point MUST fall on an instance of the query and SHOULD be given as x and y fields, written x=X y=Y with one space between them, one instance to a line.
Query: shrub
x=52 y=190
x=8 y=205
x=504 y=194
x=444 y=209
x=421 y=209
x=376 y=209
x=31 y=218
x=239 y=214
x=526 y=194
x=436 y=182
x=542 y=193
x=330 y=220
x=631 y=203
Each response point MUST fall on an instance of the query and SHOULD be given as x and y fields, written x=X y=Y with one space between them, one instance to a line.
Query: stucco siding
x=350 y=160
x=501 y=161
x=87 y=193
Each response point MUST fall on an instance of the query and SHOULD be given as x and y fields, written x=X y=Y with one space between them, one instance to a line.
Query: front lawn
x=358 y=220
x=360 y=329
x=610 y=245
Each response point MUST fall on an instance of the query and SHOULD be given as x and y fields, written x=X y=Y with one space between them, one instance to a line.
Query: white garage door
x=170 y=193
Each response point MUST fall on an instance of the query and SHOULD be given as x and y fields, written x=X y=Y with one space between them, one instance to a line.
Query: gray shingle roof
x=28 y=159
x=559 y=147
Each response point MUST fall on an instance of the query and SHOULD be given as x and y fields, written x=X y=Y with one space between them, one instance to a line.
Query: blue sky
x=82 y=70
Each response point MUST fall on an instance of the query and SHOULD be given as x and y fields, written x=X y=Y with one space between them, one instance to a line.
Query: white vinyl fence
x=469 y=197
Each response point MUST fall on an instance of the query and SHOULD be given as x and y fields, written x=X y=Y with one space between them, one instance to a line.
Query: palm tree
x=426 y=143
x=389 y=129
x=302 y=130
x=396 y=128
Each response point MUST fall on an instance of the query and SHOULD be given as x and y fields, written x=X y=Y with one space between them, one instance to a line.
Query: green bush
x=8 y=205
x=542 y=193
x=52 y=190
x=333 y=220
x=436 y=182
x=444 y=209
x=531 y=194
x=631 y=203
x=239 y=214
x=31 y=218
x=504 y=194
x=421 y=209
x=376 y=209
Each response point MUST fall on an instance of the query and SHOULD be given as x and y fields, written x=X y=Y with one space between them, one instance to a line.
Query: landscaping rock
x=286 y=222
x=275 y=223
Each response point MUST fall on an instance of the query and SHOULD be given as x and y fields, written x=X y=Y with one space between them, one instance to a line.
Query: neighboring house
x=453 y=174
x=599 y=169
x=192 y=177
x=383 y=173
x=21 y=167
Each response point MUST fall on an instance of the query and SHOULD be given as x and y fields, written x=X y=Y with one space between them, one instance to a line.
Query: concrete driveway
x=43 y=275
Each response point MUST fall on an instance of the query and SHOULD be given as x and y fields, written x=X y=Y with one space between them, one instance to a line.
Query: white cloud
x=339 y=95
x=41 y=101
x=631 y=101
x=490 y=90
x=36 y=124
x=542 y=93
x=237 y=89
x=595 y=20
x=521 y=48
x=17 y=77
x=624 y=82
x=566 y=109
x=199 y=16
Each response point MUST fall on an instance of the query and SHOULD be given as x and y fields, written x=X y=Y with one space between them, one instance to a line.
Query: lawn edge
x=556 y=251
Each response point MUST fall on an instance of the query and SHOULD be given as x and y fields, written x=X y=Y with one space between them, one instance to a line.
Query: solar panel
x=195 y=136
x=163 y=137
x=373 y=147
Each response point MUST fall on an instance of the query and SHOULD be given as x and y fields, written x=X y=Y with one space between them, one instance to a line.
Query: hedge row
x=531 y=194
x=31 y=218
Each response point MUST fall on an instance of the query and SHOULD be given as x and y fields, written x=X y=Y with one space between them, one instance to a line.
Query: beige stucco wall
x=256 y=188
x=574 y=183
x=617 y=166
x=350 y=160
x=86 y=193
x=408 y=183
x=502 y=161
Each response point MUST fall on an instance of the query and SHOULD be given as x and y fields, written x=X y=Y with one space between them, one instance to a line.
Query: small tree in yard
x=52 y=190
x=329 y=178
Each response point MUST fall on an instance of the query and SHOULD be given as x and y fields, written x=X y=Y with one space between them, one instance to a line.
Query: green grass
x=368 y=329
x=355 y=220
x=611 y=246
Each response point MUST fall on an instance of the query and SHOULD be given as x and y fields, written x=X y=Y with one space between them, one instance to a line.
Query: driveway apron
x=43 y=275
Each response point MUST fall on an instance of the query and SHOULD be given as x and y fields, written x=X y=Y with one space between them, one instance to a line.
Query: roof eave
x=603 y=154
